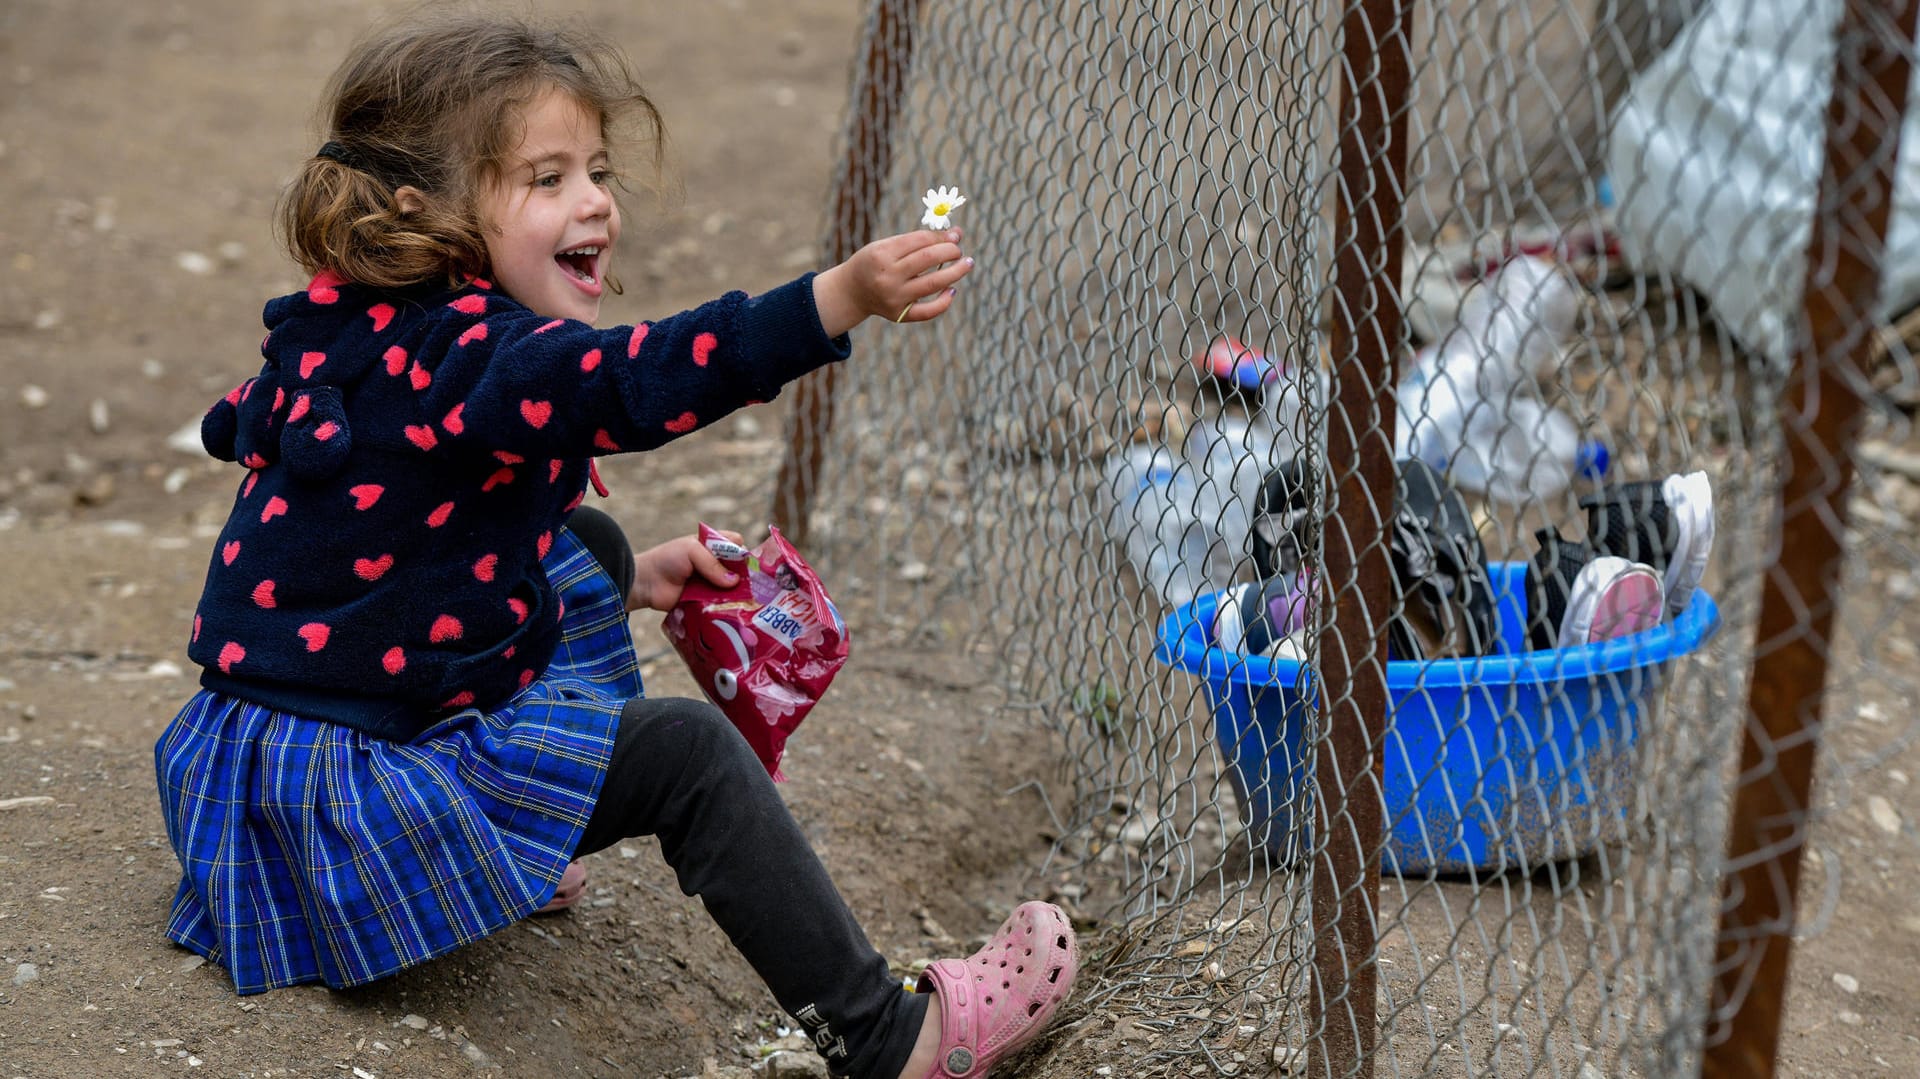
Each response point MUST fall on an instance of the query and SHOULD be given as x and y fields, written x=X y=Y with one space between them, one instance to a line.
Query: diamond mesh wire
x=1147 y=179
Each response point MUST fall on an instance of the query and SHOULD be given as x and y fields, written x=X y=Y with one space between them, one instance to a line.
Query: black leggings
x=681 y=772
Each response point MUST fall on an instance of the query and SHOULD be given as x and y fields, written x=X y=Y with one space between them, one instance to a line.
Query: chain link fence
x=1382 y=329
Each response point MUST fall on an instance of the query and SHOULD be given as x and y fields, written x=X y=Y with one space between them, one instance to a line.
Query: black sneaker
x=1282 y=521
x=1443 y=598
x=1555 y=565
x=1631 y=520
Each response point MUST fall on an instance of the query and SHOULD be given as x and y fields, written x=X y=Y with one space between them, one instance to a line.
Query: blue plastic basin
x=1509 y=760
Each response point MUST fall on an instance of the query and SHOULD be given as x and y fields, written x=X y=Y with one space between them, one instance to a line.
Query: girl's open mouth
x=582 y=262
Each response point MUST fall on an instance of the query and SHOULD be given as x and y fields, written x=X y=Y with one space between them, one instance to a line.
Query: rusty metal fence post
x=1369 y=235
x=1823 y=413
x=861 y=180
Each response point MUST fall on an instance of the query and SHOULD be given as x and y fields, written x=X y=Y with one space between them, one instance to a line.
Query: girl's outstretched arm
x=501 y=378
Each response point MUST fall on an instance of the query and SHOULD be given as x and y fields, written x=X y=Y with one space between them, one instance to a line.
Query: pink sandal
x=573 y=885
x=997 y=1000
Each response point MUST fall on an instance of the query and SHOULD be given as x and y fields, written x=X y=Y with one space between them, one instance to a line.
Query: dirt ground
x=141 y=150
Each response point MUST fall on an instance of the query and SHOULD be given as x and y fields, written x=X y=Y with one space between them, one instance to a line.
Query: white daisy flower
x=940 y=203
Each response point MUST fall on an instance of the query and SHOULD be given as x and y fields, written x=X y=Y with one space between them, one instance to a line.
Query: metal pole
x=1369 y=236
x=1822 y=413
x=856 y=198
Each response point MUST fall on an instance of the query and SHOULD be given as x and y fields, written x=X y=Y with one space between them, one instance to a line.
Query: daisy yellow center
x=942 y=209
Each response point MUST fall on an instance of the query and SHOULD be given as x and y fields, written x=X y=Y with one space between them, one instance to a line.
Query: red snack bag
x=765 y=649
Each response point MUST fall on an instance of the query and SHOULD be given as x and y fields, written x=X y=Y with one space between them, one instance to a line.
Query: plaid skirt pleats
x=312 y=852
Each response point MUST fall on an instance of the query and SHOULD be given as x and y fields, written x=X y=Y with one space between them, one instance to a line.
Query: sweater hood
x=293 y=411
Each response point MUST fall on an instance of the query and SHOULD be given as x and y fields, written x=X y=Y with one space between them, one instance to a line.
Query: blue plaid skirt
x=315 y=853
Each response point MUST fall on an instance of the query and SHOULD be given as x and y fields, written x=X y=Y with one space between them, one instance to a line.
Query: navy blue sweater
x=410 y=456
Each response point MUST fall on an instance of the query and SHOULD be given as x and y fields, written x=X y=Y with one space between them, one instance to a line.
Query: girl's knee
x=603 y=538
x=686 y=731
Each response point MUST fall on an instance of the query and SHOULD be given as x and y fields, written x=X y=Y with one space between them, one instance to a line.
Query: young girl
x=420 y=700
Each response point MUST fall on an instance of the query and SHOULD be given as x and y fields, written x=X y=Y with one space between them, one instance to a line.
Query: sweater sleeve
x=503 y=378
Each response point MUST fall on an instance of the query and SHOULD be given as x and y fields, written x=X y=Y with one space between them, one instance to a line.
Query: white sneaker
x=1690 y=501
x=1610 y=598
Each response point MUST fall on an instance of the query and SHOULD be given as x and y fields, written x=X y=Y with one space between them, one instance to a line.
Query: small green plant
x=1103 y=705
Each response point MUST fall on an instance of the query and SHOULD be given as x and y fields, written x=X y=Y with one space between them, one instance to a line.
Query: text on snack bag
x=787 y=617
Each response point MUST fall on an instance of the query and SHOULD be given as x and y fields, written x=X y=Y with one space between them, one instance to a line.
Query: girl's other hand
x=661 y=573
x=904 y=278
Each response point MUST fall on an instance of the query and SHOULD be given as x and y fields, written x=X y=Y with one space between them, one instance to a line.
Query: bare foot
x=573 y=885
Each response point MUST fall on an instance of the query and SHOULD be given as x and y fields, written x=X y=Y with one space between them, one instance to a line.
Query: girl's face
x=551 y=221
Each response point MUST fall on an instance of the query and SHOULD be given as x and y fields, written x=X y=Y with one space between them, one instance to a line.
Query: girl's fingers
x=945 y=277
x=930 y=308
x=894 y=248
x=711 y=568
x=919 y=262
x=934 y=282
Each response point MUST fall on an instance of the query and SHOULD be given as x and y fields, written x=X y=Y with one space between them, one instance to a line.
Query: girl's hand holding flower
x=911 y=275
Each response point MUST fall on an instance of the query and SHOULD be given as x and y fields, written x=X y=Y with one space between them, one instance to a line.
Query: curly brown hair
x=429 y=104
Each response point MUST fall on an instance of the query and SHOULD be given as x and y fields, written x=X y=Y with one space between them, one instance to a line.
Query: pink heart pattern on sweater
x=316 y=634
x=324 y=288
x=340 y=354
x=372 y=569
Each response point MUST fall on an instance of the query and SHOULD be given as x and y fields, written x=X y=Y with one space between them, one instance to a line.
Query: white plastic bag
x=1715 y=161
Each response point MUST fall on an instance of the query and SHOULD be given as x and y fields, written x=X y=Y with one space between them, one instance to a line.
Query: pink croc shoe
x=997 y=1000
